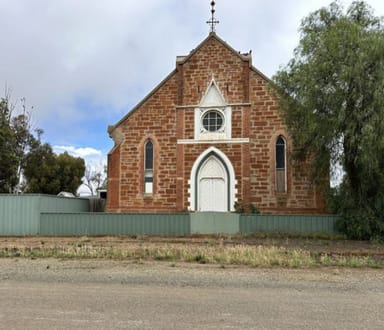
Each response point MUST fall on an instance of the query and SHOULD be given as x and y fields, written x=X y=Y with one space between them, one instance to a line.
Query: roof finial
x=212 y=22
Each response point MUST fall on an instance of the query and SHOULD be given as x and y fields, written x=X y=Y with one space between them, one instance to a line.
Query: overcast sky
x=83 y=64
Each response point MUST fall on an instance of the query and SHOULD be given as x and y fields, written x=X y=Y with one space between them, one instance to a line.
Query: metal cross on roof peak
x=212 y=22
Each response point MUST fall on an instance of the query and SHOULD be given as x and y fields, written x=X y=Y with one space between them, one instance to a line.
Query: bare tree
x=94 y=179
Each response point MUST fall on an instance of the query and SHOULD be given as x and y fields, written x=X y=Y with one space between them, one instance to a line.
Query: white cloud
x=78 y=152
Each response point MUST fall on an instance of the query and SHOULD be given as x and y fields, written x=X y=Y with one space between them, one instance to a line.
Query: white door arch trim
x=232 y=191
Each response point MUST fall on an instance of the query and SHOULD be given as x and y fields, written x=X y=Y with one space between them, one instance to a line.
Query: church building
x=209 y=137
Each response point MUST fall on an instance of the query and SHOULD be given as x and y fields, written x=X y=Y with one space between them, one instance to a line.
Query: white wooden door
x=213 y=186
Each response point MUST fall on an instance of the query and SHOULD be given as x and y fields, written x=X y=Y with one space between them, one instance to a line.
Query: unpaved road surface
x=111 y=294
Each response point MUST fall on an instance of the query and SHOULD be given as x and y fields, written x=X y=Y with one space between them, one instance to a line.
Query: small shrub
x=360 y=224
x=240 y=207
x=253 y=209
x=201 y=259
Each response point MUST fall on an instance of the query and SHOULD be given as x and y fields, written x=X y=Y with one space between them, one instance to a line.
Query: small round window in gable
x=213 y=121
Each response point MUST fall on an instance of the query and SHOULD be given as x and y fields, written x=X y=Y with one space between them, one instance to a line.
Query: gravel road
x=110 y=294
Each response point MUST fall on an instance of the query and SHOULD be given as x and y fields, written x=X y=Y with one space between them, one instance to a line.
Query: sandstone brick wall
x=155 y=119
x=167 y=115
x=218 y=62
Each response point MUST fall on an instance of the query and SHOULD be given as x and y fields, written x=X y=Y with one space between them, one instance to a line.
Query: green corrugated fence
x=215 y=223
x=180 y=224
x=97 y=224
x=287 y=223
x=26 y=215
x=20 y=214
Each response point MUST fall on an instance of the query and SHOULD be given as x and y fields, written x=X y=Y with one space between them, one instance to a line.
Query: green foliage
x=358 y=221
x=49 y=173
x=16 y=139
x=240 y=207
x=41 y=170
x=361 y=224
x=331 y=96
x=8 y=158
x=71 y=171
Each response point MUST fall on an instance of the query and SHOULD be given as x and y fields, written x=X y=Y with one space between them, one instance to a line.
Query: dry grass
x=212 y=252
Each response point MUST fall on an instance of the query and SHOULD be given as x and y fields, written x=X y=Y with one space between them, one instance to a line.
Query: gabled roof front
x=180 y=61
x=213 y=35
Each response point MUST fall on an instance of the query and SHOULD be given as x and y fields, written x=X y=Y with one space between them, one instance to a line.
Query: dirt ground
x=47 y=293
x=55 y=293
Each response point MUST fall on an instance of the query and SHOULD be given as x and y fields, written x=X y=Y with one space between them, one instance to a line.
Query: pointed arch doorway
x=212 y=183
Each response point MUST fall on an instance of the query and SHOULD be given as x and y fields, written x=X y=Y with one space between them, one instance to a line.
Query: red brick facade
x=167 y=116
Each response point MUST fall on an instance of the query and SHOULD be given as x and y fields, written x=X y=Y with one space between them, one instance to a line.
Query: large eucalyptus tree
x=332 y=98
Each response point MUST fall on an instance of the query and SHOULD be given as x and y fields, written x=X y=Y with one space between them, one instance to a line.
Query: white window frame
x=225 y=132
